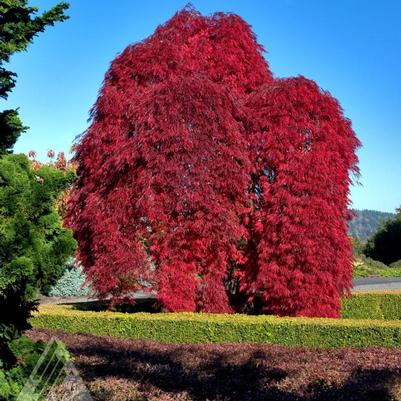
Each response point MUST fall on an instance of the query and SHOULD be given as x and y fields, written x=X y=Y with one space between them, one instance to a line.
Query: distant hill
x=366 y=222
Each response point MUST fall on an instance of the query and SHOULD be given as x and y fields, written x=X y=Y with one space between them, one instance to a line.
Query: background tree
x=385 y=244
x=33 y=243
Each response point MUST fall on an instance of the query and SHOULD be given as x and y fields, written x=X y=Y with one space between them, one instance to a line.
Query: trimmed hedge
x=210 y=328
x=383 y=305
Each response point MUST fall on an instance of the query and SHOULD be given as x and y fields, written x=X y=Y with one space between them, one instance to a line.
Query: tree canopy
x=19 y=25
x=213 y=183
x=385 y=244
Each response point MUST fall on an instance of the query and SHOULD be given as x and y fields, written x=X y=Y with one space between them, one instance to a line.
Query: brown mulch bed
x=124 y=370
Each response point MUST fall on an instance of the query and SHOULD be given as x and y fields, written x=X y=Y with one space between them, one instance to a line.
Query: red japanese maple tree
x=201 y=177
x=303 y=150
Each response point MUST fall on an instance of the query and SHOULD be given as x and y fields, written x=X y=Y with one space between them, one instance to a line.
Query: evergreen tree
x=19 y=24
x=33 y=243
x=385 y=244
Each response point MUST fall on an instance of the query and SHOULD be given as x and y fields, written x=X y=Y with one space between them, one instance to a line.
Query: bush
x=27 y=353
x=72 y=283
x=221 y=328
x=396 y=265
x=382 y=305
x=12 y=380
x=34 y=246
x=120 y=370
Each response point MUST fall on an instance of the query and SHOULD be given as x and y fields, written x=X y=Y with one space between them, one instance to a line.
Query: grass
x=365 y=267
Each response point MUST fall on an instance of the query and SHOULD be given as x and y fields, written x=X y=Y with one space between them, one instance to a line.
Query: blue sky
x=351 y=48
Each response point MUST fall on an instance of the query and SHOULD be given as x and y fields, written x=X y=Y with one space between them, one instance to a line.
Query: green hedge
x=209 y=328
x=372 y=305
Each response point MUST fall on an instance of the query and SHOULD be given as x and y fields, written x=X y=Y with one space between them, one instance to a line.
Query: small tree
x=357 y=246
x=385 y=244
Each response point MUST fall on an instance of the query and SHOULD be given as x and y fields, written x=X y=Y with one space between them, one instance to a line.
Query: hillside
x=366 y=222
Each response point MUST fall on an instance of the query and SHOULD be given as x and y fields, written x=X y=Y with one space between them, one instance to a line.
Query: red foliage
x=115 y=368
x=304 y=151
x=171 y=184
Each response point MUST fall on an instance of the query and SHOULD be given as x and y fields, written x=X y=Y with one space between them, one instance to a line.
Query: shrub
x=372 y=305
x=147 y=370
x=222 y=328
x=28 y=353
x=72 y=283
x=396 y=265
x=33 y=246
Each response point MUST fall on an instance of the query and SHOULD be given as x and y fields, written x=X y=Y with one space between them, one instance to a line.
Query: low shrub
x=221 y=328
x=117 y=369
x=382 y=305
x=72 y=283
x=27 y=354
x=396 y=265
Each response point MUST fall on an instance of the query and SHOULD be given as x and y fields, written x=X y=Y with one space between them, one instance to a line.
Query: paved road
x=377 y=283
x=138 y=296
x=360 y=284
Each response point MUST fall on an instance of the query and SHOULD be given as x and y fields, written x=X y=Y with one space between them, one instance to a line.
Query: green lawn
x=366 y=267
